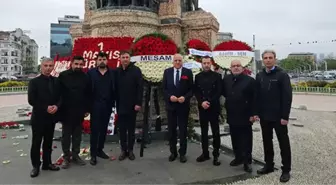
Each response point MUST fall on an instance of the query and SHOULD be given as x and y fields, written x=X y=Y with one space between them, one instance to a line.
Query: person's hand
x=137 y=108
x=86 y=114
x=205 y=105
x=284 y=122
x=181 y=99
x=52 y=109
x=173 y=99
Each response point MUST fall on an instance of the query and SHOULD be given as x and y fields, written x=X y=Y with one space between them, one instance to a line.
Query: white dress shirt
x=180 y=72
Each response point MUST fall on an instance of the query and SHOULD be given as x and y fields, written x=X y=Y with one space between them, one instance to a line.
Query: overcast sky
x=272 y=21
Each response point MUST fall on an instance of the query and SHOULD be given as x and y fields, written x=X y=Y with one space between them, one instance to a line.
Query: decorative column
x=170 y=19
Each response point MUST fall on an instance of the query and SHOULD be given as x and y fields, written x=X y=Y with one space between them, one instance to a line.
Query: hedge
x=315 y=84
x=13 y=84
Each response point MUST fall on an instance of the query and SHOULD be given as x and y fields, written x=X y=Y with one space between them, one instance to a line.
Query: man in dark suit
x=239 y=93
x=177 y=85
x=75 y=92
x=103 y=99
x=44 y=97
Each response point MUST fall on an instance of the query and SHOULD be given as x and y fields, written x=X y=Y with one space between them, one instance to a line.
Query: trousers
x=283 y=139
x=126 y=125
x=71 y=135
x=42 y=132
x=212 y=117
x=100 y=118
x=242 y=141
x=180 y=119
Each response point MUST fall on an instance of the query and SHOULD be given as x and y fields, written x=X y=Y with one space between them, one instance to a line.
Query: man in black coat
x=177 y=86
x=239 y=93
x=44 y=97
x=274 y=99
x=207 y=90
x=129 y=91
x=101 y=80
x=75 y=95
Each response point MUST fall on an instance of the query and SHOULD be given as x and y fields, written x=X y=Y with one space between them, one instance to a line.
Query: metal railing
x=13 y=89
x=324 y=90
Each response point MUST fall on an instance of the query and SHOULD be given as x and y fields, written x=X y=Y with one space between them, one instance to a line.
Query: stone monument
x=181 y=20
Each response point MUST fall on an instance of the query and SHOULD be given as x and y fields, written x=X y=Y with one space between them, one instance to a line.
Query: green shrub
x=13 y=84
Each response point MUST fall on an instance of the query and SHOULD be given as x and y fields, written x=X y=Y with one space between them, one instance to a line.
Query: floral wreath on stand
x=153 y=53
x=228 y=51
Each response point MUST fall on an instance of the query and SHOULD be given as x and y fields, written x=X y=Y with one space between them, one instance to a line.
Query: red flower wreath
x=154 y=44
x=198 y=45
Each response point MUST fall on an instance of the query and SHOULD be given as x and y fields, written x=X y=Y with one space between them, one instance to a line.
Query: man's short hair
x=125 y=52
x=268 y=51
x=47 y=60
x=102 y=55
x=206 y=57
x=77 y=58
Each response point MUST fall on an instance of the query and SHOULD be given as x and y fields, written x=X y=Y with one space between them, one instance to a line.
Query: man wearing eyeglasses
x=239 y=93
x=274 y=99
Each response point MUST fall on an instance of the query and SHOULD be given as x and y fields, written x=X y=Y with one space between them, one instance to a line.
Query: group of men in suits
x=74 y=95
x=266 y=99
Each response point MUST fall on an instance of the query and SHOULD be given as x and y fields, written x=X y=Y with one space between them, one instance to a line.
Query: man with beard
x=75 y=93
x=129 y=88
x=43 y=96
x=177 y=86
x=102 y=96
x=239 y=93
x=207 y=92
x=274 y=98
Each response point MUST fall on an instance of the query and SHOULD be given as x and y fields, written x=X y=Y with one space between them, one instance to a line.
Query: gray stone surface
x=153 y=168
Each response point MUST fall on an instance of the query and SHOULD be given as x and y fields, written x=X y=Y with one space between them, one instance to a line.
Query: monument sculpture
x=181 y=20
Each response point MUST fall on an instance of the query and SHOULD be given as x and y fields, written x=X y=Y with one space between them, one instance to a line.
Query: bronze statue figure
x=189 y=5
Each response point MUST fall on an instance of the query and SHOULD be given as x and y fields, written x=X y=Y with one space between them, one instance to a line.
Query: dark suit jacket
x=184 y=89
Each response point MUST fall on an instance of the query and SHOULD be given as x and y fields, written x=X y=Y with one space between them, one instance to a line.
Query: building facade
x=18 y=53
x=60 y=38
x=309 y=57
x=224 y=36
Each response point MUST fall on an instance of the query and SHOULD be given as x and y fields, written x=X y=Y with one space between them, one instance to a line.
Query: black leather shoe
x=93 y=161
x=51 y=167
x=35 y=172
x=265 y=170
x=102 y=155
x=183 y=159
x=248 y=168
x=172 y=157
x=77 y=160
x=202 y=158
x=66 y=164
x=216 y=162
x=122 y=156
x=285 y=176
x=131 y=156
x=236 y=162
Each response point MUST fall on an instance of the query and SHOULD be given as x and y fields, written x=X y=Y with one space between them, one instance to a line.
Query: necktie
x=177 y=78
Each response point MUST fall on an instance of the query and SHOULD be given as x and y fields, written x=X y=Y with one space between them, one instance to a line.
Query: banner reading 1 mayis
x=89 y=49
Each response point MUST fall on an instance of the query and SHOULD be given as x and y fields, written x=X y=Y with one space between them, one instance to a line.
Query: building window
x=5 y=68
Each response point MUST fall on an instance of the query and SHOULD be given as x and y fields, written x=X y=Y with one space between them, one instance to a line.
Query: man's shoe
x=35 y=172
x=122 y=156
x=285 y=176
x=172 y=157
x=77 y=160
x=51 y=167
x=93 y=161
x=248 y=168
x=183 y=159
x=265 y=170
x=216 y=162
x=236 y=162
x=131 y=156
x=102 y=155
x=66 y=164
x=202 y=158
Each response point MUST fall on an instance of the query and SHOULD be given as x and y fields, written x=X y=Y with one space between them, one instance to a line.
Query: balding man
x=239 y=93
x=44 y=97
x=177 y=85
